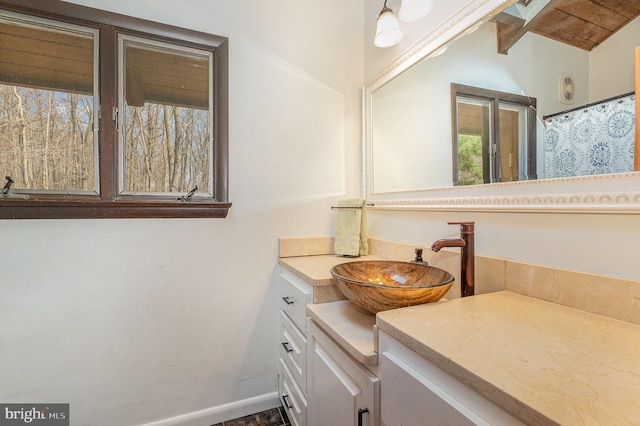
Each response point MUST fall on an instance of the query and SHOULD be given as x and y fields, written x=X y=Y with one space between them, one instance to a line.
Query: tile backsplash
x=613 y=297
x=291 y=247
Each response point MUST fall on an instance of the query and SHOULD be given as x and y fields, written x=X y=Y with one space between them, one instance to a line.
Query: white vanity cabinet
x=294 y=295
x=341 y=391
x=416 y=392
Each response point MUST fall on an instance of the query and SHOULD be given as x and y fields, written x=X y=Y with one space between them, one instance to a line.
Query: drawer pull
x=286 y=403
x=361 y=411
x=285 y=345
x=287 y=300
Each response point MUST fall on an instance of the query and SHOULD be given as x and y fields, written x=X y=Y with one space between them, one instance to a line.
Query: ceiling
x=584 y=24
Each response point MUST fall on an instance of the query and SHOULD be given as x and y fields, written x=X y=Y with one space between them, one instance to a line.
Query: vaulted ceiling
x=581 y=23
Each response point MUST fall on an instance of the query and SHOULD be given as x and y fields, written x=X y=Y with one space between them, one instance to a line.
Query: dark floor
x=272 y=417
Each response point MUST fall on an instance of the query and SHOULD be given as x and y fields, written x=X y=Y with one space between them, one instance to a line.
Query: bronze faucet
x=467 y=262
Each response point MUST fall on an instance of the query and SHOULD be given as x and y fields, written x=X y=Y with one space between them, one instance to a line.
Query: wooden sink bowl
x=380 y=285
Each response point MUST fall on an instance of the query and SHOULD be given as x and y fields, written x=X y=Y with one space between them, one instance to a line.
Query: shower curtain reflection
x=593 y=140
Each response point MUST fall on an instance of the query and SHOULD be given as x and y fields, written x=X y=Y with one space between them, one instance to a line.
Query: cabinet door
x=340 y=390
x=416 y=392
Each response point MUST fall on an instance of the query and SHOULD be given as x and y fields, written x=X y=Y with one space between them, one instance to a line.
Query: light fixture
x=413 y=10
x=388 y=31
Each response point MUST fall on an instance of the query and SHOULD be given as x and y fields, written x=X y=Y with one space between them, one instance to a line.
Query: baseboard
x=221 y=413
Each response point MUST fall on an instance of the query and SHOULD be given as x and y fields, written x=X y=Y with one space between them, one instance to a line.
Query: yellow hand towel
x=351 y=228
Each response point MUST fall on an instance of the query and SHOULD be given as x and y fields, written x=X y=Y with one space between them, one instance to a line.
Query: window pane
x=47 y=105
x=513 y=142
x=474 y=141
x=166 y=135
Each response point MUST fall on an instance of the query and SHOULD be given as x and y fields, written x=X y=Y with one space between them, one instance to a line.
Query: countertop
x=351 y=326
x=316 y=270
x=543 y=362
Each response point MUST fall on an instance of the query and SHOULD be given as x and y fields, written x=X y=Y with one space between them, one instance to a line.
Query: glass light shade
x=413 y=10
x=388 y=31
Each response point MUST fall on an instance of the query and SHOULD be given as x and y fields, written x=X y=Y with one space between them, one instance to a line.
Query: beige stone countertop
x=543 y=362
x=316 y=270
x=349 y=325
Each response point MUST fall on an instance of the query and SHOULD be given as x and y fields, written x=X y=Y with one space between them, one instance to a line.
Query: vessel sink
x=380 y=285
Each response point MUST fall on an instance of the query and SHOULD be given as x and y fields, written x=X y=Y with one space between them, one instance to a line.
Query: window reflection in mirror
x=474 y=141
x=494 y=137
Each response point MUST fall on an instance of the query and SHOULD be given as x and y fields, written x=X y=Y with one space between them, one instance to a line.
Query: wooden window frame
x=109 y=204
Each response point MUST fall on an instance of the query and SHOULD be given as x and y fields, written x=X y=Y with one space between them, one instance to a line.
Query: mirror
x=408 y=136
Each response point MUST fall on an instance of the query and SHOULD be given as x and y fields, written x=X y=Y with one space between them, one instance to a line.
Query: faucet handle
x=466 y=227
x=418 y=252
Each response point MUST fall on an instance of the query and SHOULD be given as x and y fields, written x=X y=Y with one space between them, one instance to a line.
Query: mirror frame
x=607 y=194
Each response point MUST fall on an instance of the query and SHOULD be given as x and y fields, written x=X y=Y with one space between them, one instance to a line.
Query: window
x=103 y=115
x=48 y=100
x=494 y=138
x=165 y=134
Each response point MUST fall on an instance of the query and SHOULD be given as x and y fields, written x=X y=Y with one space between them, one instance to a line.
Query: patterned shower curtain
x=594 y=140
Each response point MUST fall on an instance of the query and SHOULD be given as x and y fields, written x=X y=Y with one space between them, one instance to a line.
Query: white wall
x=132 y=321
x=604 y=244
x=612 y=64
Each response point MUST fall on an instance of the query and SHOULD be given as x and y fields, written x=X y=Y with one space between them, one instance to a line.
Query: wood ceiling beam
x=580 y=23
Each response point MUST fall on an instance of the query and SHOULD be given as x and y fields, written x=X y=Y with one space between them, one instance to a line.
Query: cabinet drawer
x=295 y=294
x=292 y=398
x=293 y=350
